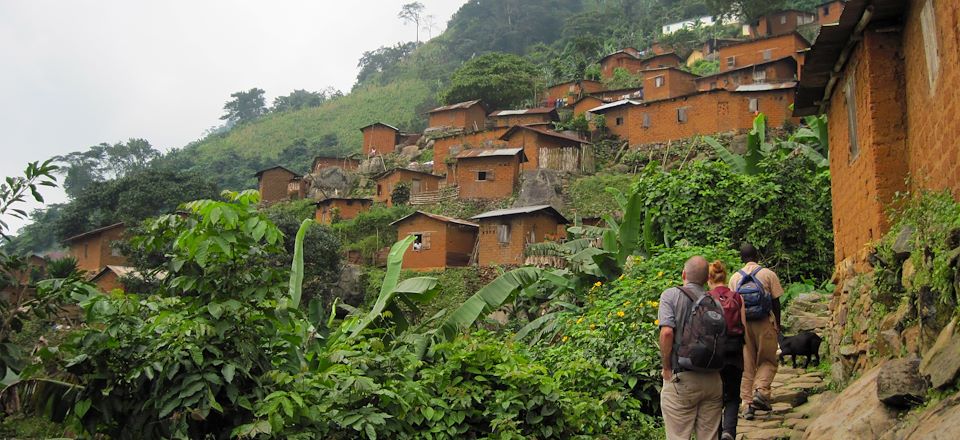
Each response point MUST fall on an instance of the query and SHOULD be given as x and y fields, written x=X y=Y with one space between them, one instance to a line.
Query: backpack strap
x=743 y=278
x=755 y=271
x=686 y=292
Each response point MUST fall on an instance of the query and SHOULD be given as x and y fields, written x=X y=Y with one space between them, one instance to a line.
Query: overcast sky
x=79 y=72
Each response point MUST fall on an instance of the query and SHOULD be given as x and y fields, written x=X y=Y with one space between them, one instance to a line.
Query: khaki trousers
x=692 y=401
x=759 y=358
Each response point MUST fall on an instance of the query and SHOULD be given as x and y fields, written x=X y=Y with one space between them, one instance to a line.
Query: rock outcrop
x=899 y=383
x=856 y=413
x=942 y=362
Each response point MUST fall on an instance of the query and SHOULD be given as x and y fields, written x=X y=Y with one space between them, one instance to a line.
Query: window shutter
x=490 y=175
x=503 y=233
x=682 y=115
x=754 y=105
x=646 y=120
x=425 y=241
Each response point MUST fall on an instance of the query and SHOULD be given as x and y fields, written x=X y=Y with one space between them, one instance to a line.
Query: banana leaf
x=736 y=162
x=486 y=300
x=296 y=268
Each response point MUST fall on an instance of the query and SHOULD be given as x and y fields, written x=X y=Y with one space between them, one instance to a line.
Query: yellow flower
x=656 y=322
x=597 y=284
x=626 y=303
x=565 y=339
x=620 y=277
x=620 y=313
x=592 y=326
x=580 y=320
x=659 y=274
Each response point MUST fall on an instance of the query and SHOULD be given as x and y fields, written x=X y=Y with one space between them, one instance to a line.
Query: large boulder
x=903 y=244
x=540 y=187
x=856 y=413
x=331 y=181
x=936 y=422
x=941 y=363
x=900 y=384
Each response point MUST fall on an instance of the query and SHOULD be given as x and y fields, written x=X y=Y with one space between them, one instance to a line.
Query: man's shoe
x=760 y=403
x=726 y=436
x=748 y=414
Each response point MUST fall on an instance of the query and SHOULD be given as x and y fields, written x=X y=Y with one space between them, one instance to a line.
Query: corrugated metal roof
x=520 y=211
x=391 y=171
x=765 y=87
x=489 y=152
x=438 y=217
x=457 y=106
x=749 y=66
x=830 y=46
x=380 y=123
x=614 y=104
x=526 y=111
x=330 y=199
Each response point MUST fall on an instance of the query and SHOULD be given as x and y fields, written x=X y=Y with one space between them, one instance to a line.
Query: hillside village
x=489 y=188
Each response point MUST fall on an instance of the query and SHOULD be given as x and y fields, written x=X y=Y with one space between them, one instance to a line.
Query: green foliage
x=62 y=267
x=705 y=67
x=131 y=198
x=589 y=197
x=373 y=225
x=501 y=80
x=15 y=190
x=246 y=106
x=300 y=99
x=784 y=210
x=400 y=194
x=623 y=79
x=578 y=124
x=102 y=162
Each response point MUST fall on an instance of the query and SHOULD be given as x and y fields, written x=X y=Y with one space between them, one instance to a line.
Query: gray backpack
x=701 y=346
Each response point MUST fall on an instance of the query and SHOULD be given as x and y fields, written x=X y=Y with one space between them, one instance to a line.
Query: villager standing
x=691 y=395
x=761 y=290
x=732 y=372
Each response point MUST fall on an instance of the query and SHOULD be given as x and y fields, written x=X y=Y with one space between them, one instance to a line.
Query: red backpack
x=731 y=303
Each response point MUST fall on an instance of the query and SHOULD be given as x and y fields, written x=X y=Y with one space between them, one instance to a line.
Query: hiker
x=732 y=371
x=691 y=325
x=760 y=289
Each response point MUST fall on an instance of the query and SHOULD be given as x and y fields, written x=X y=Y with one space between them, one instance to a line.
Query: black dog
x=802 y=344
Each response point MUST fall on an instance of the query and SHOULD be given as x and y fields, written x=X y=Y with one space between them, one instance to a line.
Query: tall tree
x=501 y=80
x=245 y=106
x=412 y=13
x=104 y=161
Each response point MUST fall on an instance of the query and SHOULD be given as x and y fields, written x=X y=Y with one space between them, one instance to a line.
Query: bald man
x=691 y=401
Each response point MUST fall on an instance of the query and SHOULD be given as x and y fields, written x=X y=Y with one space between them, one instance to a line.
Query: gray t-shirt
x=674 y=307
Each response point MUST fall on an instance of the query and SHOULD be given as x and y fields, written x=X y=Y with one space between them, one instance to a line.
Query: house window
x=503 y=233
x=658 y=81
x=682 y=115
x=928 y=25
x=759 y=76
x=114 y=252
x=754 y=105
x=619 y=120
x=767 y=54
x=379 y=189
x=731 y=61
x=646 y=120
x=850 y=97
x=783 y=19
x=826 y=10
x=484 y=175
x=85 y=247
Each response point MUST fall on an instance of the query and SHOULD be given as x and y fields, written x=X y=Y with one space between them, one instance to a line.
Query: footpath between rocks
x=798 y=394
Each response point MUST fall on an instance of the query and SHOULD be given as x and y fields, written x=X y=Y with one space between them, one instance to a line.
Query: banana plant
x=810 y=141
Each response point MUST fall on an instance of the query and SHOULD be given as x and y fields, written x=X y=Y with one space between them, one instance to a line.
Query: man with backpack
x=692 y=334
x=760 y=290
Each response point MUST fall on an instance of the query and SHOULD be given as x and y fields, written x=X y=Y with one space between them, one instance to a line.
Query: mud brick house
x=506 y=233
x=443 y=241
x=667 y=82
x=469 y=116
x=770 y=72
x=530 y=116
x=274 y=184
x=761 y=50
x=332 y=209
x=108 y=278
x=92 y=248
x=571 y=91
x=781 y=22
x=583 y=105
x=349 y=163
x=661 y=60
x=618 y=94
x=487 y=174
x=886 y=76
x=379 y=138
x=550 y=149
x=830 y=11
x=716 y=111
x=628 y=58
x=448 y=146
x=297 y=188
x=417 y=180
